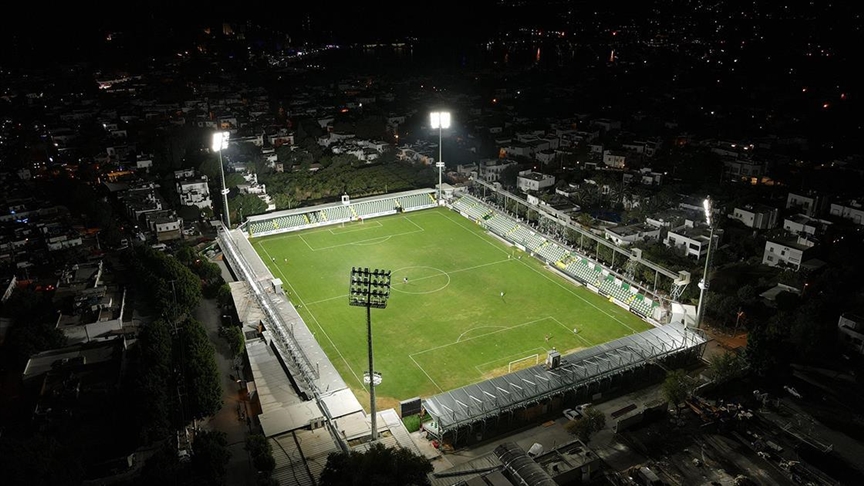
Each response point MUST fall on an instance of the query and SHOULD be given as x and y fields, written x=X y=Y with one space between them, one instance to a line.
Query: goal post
x=522 y=363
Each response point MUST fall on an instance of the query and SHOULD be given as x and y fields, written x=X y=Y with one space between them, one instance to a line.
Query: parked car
x=571 y=414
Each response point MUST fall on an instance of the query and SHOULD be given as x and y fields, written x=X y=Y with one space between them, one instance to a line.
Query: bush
x=412 y=423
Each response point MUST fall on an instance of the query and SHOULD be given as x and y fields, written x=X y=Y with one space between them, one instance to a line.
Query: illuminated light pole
x=703 y=284
x=220 y=143
x=440 y=120
x=370 y=289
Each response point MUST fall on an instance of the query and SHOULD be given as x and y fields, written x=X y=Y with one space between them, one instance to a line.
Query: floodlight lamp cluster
x=707 y=205
x=369 y=288
x=220 y=141
x=440 y=119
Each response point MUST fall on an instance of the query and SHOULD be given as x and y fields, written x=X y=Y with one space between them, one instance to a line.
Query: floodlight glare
x=440 y=120
x=707 y=205
x=220 y=143
x=703 y=283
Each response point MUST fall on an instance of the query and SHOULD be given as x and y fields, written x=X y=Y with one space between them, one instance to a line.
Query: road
x=227 y=420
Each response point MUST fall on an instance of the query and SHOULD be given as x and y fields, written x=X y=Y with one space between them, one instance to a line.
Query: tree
x=508 y=175
x=236 y=343
x=261 y=453
x=203 y=385
x=379 y=465
x=163 y=467
x=591 y=421
x=210 y=456
x=726 y=367
x=761 y=351
x=677 y=387
x=223 y=295
x=250 y=204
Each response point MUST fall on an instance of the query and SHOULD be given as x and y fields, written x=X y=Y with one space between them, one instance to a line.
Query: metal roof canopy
x=472 y=403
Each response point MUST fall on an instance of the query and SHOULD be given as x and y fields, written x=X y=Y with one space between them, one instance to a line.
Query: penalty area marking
x=503 y=329
x=514 y=356
x=481 y=327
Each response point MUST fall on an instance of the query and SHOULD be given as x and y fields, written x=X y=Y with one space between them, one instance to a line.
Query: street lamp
x=220 y=143
x=370 y=288
x=440 y=120
x=703 y=284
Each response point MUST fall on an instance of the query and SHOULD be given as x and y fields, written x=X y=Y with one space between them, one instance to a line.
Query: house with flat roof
x=801 y=224
x=757 y=216
x=850 y=329
x=790 y=252
x=627 y=235
x=692 y=241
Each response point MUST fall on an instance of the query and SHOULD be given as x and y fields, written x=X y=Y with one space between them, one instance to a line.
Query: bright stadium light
x=703 y=284
x=370 y=289
x=440 y=120
x=220 y=143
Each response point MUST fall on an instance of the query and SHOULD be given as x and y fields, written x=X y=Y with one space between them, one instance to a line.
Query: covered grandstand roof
x=486 y=399
x=336 y=204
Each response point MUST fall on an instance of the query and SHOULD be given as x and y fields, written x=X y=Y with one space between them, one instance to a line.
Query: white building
x=801 y=224
x=851 y=332
x=853 y=212
x=614 y=159
x=756 y=216
x=811 y=205
x=491 y=170
x=626 y=235
x=691 y=241
x=534 y=181
x=788 y=252
x=194 y=192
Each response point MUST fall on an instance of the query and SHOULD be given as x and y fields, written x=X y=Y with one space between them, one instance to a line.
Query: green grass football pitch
x=448 y=325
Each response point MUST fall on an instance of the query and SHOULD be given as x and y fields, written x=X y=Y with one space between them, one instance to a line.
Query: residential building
x=809 y=204
x=193 y=191
x=791 y=252
x=627 y=235
x=614 y=158
x=528 y=180
x=165 y=224
x=801 y=224
x=851 y=332
x=744 y=168
x=144 y=161
x=490 y=170
x=851 y=211
x=690 y=240
x=758 y=216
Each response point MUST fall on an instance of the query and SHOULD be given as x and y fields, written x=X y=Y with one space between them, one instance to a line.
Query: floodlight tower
x=703 y=284
x=220 y=143
x=440 y=120
x=370 y=288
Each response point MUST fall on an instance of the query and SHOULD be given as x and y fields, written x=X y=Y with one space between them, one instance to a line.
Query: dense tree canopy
x=202 y=379
x=378 y=465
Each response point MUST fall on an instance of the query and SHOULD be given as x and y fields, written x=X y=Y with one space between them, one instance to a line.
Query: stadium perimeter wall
x=494 y=420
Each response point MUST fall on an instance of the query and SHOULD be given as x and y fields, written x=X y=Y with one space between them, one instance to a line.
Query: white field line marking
x=578 y=335
x=551 y=280
x=297 y=296
x=466 y=269
x=424 y=372
x=542 y=350
x=569 y=289
x=353 y=229
x=481 y=327
x=505 y=328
